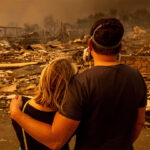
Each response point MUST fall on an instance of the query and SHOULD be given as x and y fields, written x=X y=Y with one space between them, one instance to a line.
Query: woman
x=50 y=96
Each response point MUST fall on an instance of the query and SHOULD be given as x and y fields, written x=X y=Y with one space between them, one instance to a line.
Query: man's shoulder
x=130 y=70
x=80 y=80
x=98 y=72
x=84 y=75
x=100 y=69
x=86 y=72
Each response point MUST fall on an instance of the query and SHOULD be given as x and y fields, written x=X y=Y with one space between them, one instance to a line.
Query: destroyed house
x=6 y=32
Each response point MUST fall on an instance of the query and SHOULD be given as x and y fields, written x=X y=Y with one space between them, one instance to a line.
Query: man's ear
x=90 y=45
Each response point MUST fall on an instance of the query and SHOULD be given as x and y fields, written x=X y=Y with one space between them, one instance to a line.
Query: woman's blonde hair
x=54 y=82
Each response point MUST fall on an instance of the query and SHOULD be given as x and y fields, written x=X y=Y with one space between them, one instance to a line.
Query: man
x=105 y=105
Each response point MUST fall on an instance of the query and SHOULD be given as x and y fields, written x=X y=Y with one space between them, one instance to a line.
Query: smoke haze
x=33 y=11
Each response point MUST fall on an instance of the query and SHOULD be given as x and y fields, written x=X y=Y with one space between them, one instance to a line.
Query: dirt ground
x=8 y=140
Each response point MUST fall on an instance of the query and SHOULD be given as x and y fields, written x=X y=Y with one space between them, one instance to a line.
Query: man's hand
x=15 y=105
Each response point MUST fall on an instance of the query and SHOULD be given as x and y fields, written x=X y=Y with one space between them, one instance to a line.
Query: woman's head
x=54 y=82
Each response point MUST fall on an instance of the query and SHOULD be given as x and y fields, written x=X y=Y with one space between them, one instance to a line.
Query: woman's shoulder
x=24 y=101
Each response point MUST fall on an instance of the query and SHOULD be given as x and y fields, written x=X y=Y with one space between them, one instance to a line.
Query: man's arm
x=139 y=123
x=53 y=136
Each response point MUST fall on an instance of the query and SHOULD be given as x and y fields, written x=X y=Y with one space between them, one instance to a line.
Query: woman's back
x=44 y=116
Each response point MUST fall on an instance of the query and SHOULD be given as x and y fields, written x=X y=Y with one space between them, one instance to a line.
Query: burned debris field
x=25 y=51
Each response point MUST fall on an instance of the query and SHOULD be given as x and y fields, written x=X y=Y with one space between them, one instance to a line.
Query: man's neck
x=106 y=63
x=104 y=60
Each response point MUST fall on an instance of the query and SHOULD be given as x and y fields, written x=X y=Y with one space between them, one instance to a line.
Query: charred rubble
x=22 y=58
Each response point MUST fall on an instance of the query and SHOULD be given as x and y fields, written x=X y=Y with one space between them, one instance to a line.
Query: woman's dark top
x=46 y=117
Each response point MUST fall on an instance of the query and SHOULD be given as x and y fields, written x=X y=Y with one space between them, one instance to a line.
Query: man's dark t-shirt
x=105 y=100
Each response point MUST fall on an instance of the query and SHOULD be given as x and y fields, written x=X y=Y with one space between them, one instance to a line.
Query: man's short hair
x=106 y=35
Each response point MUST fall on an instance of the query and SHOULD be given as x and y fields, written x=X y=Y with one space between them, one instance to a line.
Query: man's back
x=106 y=99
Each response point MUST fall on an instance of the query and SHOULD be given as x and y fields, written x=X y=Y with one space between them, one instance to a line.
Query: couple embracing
x=104 y=105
